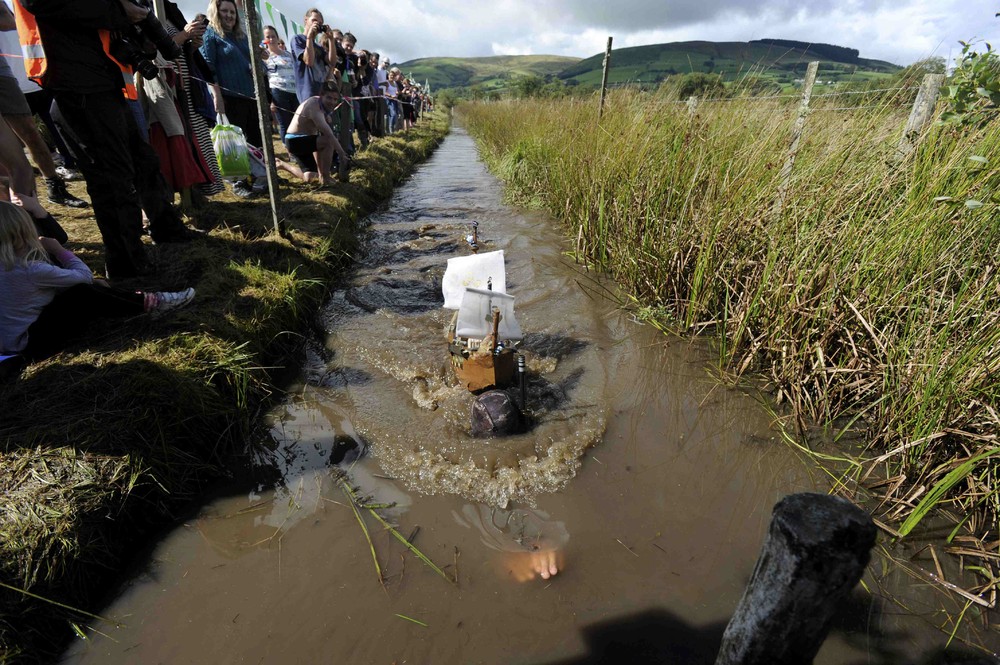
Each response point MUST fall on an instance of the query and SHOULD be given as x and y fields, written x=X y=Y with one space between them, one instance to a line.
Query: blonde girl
x=48 y=295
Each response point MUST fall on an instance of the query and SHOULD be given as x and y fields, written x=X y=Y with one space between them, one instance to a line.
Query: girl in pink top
x=48 y=295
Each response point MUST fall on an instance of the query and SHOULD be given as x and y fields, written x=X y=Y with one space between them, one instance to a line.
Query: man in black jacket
x=122 y=170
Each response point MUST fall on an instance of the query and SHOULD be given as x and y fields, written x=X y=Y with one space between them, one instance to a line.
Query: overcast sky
x=901 y=31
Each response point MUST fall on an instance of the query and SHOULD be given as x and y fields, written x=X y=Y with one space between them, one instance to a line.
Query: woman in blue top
x=280 y=65
x=227 y=53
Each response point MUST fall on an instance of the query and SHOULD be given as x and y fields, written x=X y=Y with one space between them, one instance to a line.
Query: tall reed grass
x=868 y=297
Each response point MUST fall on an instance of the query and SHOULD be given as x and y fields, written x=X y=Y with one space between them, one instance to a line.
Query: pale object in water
x=475 y=316
x=472 y=272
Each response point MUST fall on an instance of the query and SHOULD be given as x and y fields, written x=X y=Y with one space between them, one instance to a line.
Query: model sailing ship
x=483 y=332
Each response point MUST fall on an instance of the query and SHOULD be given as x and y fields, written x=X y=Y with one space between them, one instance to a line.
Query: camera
x=137 y=45
x=127 y=52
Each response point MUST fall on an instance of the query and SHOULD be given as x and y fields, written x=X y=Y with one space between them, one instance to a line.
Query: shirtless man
x=311 y=141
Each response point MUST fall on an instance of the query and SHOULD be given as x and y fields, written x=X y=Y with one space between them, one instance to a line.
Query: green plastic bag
x=230 y=149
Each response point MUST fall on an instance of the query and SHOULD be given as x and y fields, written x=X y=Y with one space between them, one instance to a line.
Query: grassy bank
x=106 y=442
x=871 y=299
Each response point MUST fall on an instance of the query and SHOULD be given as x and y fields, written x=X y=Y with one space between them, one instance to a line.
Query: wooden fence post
x=800 y=123
x=921 y=115
x=692 y=104
x=816 y=550
x=252 y=21
x=604 y=78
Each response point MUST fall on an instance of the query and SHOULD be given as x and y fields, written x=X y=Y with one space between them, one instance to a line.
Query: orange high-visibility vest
x=33 y=51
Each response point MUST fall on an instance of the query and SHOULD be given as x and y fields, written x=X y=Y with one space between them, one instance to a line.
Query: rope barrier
x=234 y=93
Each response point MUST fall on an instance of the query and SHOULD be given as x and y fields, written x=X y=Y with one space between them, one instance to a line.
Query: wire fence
x=826 y=95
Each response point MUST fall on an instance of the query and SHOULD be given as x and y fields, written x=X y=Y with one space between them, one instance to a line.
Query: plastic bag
x=230 y=149
x=258 y=167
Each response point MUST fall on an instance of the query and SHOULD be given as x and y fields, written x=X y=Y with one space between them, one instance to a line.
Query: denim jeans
x=286 y=102
x=393 y=114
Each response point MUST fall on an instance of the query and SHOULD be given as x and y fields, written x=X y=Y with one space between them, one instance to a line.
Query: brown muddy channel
x=645 y=480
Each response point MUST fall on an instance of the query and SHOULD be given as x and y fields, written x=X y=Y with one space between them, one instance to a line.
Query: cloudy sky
x=901 y=31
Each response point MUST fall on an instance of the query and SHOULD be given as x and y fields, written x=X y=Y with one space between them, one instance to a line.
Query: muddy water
x=644 y=481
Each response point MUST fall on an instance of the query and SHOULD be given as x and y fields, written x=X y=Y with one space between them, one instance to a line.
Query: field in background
x=776 y=66
x=490 y=72
x=780 y=65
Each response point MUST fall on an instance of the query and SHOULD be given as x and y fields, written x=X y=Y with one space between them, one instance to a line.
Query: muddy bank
x=109 y=440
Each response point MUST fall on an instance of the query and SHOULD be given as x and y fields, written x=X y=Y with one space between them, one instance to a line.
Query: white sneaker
x=67 y=174
x=168 y=301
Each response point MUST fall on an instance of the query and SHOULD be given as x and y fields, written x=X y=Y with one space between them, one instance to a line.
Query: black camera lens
x=147 y=69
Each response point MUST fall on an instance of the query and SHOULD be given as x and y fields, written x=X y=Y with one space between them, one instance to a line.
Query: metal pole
x=604 y=78
x=252 y=23
x=522 y=380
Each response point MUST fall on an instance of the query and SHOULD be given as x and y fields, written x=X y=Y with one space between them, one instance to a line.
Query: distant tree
x=446 y=99
x=755 y=86
x=524 y=87
x=914 y=74
x=700 y=84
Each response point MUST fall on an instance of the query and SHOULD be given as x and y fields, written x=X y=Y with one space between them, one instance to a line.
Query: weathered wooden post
x=252 y=20
x=692 y=105
x=604 y=79
x=921 y=115
x=800 y=123
x=816 y=550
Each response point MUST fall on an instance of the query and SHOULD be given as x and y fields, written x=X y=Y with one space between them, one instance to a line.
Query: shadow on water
x=659 y=636
x=552 y=345
x=653 y=636
x=403 y=296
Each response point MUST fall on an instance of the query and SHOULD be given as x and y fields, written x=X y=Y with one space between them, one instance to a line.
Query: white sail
x=472 y=272
x=475 y=316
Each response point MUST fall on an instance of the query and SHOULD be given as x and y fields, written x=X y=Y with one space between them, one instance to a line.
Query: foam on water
x=387 y=328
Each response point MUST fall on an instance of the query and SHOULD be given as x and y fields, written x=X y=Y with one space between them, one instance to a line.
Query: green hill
x=779 y=60
x=489 y=72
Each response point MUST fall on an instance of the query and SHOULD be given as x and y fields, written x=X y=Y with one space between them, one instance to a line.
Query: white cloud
x=900 y=31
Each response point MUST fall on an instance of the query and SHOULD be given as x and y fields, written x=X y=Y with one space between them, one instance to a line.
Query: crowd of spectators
x=136 y=125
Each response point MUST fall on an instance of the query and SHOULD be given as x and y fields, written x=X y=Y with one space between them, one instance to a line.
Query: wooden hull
x=484 y=371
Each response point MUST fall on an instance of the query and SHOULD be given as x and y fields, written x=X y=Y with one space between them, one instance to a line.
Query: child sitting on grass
x=44 y=304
